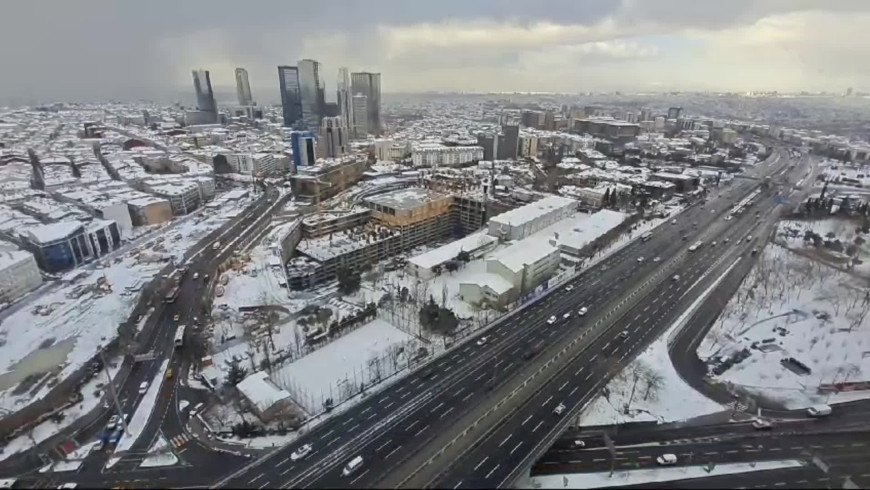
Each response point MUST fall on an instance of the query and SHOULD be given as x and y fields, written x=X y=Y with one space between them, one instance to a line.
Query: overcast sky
x=125 y=49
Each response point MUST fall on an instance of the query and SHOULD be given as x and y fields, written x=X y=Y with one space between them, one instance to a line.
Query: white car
x=569 y=287
x=301 y=452
x=728 y=218
x=143 y=387
x=481 y=341
x=713 y=244
x=578 y=443
x=640 y=259
x=559 y=409
x=761 y=424
x=657 y=259
x=113 y=422
x=566 y=316
x=196 y=275
x=673 y=221
x=623 y=334
x=551 y=320
x=667 y=459
x=582 y=311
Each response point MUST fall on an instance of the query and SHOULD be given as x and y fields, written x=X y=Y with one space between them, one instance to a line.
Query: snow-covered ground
x=143 y=411
x=159 y=454
x=55 y=334
x=841 y=238
x=636 y=477
x=91 y=395
x=658 y=394
x=790 y=306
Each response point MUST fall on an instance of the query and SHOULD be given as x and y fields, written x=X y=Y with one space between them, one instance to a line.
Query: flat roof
x=54 y=231
x=410 y=198
x=532 y=211
x=447 y=252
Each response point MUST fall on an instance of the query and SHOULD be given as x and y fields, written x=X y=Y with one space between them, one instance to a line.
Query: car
x=569 y=287
x=196 y=275
x=559 y=409
x=98 y=446
x=113 y=422
x=749 y=238
x=301 y=452
x=819 y=411
x=578 y=443
x=352 y=466
x=69 y=485
x=176 y=317
x=729 y=217
x=169 y=373
x=566 y=315
x=205 y=277
x=667 y=459
x=673 y=221
x=685 y=237
x=116 y=435
x=640 y=259
x=143 y=387
x=657 y=259
x=761 y=424
x=713 y=244
x=582 y=311
x=726 y=240
x=623 y=334
x=551 y=320
x=481 y=341
x=675 y=278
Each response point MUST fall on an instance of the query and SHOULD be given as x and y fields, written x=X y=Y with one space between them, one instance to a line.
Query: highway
x=402 y=419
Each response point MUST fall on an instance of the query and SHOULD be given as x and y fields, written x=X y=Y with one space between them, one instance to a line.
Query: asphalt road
x=394 y=423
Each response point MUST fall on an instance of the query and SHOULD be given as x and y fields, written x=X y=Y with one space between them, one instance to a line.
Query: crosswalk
x=179 y=440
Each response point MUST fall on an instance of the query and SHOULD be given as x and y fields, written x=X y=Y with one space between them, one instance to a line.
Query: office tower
x=288 y=78
x=489 y=142
x=345 y=103
x=204 y=94
x=243 y=87
x=508 y=150
x=645 y=114
x=369 y=84
x=303 y=144
x=311 y=93
x=333 y=138
x=674 y=112
x=359 y=103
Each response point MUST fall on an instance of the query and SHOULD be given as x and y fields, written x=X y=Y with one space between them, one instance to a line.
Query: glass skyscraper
x=311 y=94
x=288 y=77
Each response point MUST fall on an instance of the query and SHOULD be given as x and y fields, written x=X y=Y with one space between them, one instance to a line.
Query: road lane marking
x=578 y=372
x=347 y=421
x=252 y=480
x=505 y=440
x=481 y=375
x=516 y=447
x=286 y=471
x=373 y=416
x=324 y=436
x=384 y=444
x=527 y=419
x=393 y=451
x=366 y=410
x=282 y=461
x=333 y=440
x=412 y=425
x=437 y=407
x=388 y=405
x=547 y=401
x=492 y=471
x=360 y=476
x=572 y=391
x=536 y=427
x=457 y=485
x=563 y=385
x=588 y=376
x=466 y=397
x=446 y=412
x=421 y=431
x=354 y=427
x=460 y=390
x=262 y=486
x=481 y=463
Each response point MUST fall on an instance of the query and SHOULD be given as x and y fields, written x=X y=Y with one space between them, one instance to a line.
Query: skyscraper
x=243 y=87
x=204 y=94
x=369 y=84
x=359 y=103
x=674 y=112
x=509 y=150
x=288 y=77
x=303 y=144
x=345 y=104
x=332 y=142
x=311 y=93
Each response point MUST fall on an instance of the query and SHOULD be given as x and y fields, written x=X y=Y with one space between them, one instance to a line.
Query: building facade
x=369 y=84
x=291 y=104
x=19 y=274
x=204 y=94
x=333 y=140
x=243 y=87
x=311 y=93
x=303 y=144
x=345 y=101
x=149 y=211
x=359 y=104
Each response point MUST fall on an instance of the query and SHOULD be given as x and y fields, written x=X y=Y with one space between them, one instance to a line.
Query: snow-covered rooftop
x=54 y=231
x=447 y=252
x=261 y=391
x=529 y=212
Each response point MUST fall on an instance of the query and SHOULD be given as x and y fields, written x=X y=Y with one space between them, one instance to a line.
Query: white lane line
x=372 y=416
x=491 y=471
x=286 y=471
x=354 y=427
x=388 y=405
x=536 y=427
x=588 y=376
x=527 y=419
x=283 y=461
x=437 y=407
x=360 y=476
x=460 y=390
x=578 y=372
x=466 y=397
x=547 y=401
x=366 y=410
x=481 y=375
x=481 y=463
x=382 y=400
x=404 y=395
x=563 y=385
x=393 y=451
x=333 y=440
x=593 y=358
x=505 y=440
x=516 y=447
x=252 y=480
x=457 y=485
x=262 y=486
x=347 y=421
x=384 y=445
x=421 y=431
x=412 y=425
x=446 y=412
x=572 y=391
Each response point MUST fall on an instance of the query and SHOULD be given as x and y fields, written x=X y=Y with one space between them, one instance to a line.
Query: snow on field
x=636 y=477
x=91 y=393
x=790 y=306
x=143 y=411
x=258 y=282
x=658 y=394
x=55 y=334
x=841 y=239
x=337 y=369
x=159 y=455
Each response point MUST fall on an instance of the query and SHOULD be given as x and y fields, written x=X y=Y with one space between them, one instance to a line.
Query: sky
x=127 y=50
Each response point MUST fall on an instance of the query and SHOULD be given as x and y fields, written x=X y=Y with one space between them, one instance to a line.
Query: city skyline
x=565 y=47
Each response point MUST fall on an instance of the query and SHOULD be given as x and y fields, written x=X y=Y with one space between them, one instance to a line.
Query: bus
x=179 y=336
x=646 y=236
x=171 y=295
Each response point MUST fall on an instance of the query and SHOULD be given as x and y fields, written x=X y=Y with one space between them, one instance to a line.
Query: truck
x=646 y=236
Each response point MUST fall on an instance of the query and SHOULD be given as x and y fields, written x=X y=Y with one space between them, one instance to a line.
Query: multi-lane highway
x=399 y=422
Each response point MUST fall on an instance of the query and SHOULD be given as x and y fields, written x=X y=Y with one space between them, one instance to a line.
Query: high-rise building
x=369 y=84
x=511 y=140
x=243 y=87
x=359 y=103
x=489 y=142
x=345 y=103
x=333 y=138
x=311 y=93
x=303 y=144
x=204 y=94
x=645 y=114
x=674 y=112
x=288 y=77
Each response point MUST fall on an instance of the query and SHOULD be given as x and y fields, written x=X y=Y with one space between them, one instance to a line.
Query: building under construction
x=421 y=216
x=327 y=178
x=320 y=224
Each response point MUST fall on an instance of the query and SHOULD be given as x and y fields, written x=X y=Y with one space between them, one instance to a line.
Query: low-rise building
x=523 y=221
x=439 y=155
x=266 y=399
x=524 y=266
x=19 y=274
x=475 y=245
x=184 y=197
